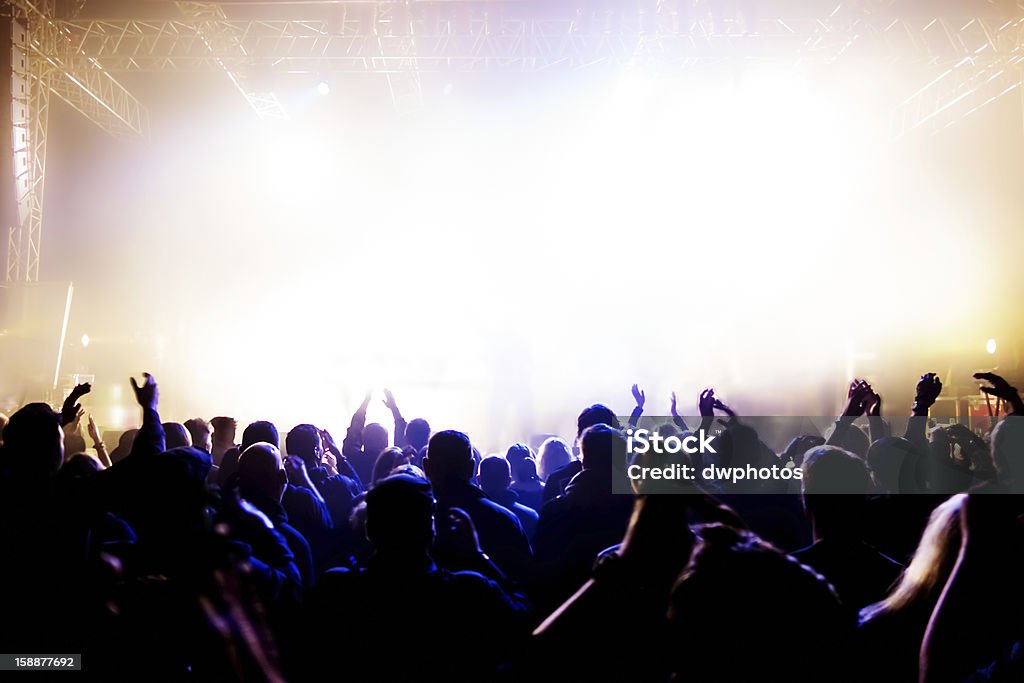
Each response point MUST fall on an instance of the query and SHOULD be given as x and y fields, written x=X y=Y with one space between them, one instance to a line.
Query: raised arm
x=72 y=410
x=639 y=398
x=878 y=427
x=150 y=439
x=674 y=412
x=856 y=397
x=97 y=443
x=352 y=444
x=1002 y=389
x=928 y=389
x=400 y=423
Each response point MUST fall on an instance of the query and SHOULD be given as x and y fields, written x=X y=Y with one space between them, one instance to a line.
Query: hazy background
x=532 y=243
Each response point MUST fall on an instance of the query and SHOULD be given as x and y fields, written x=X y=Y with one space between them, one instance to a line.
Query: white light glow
x=324 y=88
x=501 y=267
x=990 y=347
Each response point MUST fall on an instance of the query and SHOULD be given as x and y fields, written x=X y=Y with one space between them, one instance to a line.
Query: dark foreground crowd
x=404 y=555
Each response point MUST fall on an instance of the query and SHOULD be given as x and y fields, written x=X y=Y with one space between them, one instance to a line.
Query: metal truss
x=977 y=58
x=991 y=69
x=41 y=66
x=223 y=46
x=79 y=79
x=30 y=108
x=480 y=42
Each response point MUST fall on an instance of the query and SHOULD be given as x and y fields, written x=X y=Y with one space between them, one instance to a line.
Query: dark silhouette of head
x=261 y=471
x=389 y=459
x=417 y=433
x=258 y=431
x=835 y=487
x=400 y=515
x=176 y=435
x=375 y=438
x=854 y=440
x=886 y=458
x=522 y=461
x=449 y=459
x=224 y=429
x=304 y=441
x=79 y=466
x=495 y=474
x=124 y=445
x=736 y=583
x=595 y=414
x=199 y=431
x=598 y=444
x=174 y=507
x=1008 y=451
x=34 y=441
x=667 y=429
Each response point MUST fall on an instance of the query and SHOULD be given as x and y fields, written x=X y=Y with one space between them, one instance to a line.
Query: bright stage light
x=990 y=347
x=85 y=341
x=324 y=88
x=502 y=267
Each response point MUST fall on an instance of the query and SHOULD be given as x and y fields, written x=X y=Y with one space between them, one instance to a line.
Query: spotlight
x=324 y=88
x=85 y=341
x=990 y=347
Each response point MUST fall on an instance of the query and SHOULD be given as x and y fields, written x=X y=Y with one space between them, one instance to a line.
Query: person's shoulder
x=525 y=510
x=497 y=510
x=339 y=482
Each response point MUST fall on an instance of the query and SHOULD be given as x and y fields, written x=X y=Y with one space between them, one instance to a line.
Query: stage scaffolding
x=70 y=50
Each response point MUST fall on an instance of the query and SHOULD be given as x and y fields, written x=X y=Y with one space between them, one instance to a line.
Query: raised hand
x=928 y=389
x=1001 y=389
x=639 y=397
x=331 y=463
x=724 y=408
x=366 y=402
x=94 y=431
x=706 y=403
x=147 y=395
x=673 y=406
x=330 y=446
x=69 y=412
x=389 y=401
x=856 y=397
x=295 y=468
x=873 y=403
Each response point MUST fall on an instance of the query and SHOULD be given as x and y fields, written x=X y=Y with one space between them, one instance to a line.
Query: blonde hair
x=932 y=563
x=553 y=453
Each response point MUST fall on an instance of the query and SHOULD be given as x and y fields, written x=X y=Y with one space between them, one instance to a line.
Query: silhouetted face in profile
x=303 y=441
x=400 y=515
x=449 y=458
x=261 y=470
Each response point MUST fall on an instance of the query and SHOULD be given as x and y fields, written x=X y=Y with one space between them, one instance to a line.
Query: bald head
x=261 y=470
